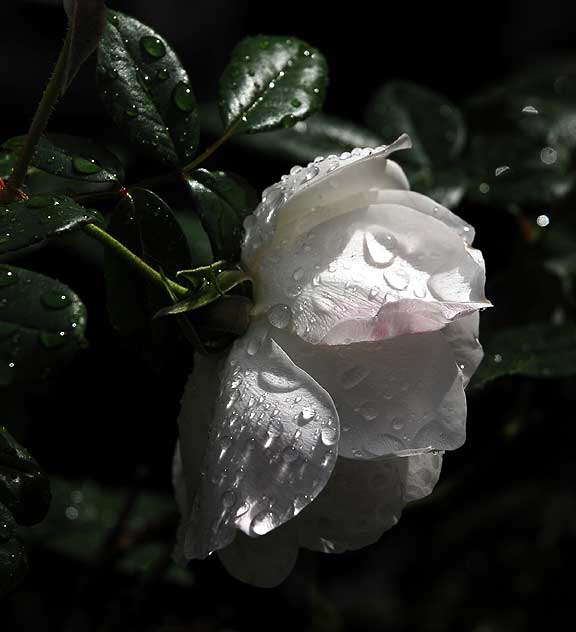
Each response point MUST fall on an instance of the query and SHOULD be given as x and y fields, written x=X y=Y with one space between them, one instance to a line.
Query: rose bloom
x=333 y=411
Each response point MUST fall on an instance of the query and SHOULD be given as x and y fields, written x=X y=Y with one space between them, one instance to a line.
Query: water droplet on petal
x=379 y=248
x=279 y=316
x=397 y=279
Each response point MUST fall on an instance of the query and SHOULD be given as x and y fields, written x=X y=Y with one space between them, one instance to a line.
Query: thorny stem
x=51 y=95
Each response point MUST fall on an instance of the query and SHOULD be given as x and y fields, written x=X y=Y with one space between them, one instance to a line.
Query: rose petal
x=265 y=561
x=197 y=408
x=462 y=335
x=272 y=445
x=364 y=499
x=397 y=396
x=353 y=265
x=322 y=182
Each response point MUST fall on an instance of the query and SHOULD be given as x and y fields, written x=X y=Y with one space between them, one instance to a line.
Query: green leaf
x=319 y=135
x=271 y=82
x=72 y=157
x=24 y=499
x=208 y=284
x=24 y=489
x=86 y=20
x=145 y=224
x=438 y=132
x=83 y=513
x=539 y=350
x=146 y=91
x=222 y=201
x=434 y=124
x=198 y=241
x=30 y=222
x=42 y=325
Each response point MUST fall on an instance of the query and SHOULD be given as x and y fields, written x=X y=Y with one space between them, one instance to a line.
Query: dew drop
x=7 y=277
x=397 y=279
x=500 y=170
x=153 y=46
x=530 y=109
x=87 y=166
x=279 y=316
x=162 y=74
x=264 y=522
x=542 y=221
x=51 y=340
x=55 y=300
x=378 y=248
x=132 y=111
x=305 y=416
x=40 y=201
x=548 y=155
x=183 y=97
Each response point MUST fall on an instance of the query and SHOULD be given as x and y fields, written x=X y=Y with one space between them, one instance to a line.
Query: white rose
x=334 y=409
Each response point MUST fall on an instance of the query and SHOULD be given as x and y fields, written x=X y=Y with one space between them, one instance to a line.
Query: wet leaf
x=222 y=201
x=271 y=82
x=42 y=325
x=207 y=284
x=24 y=499
x=542 y=351
x=146 y=91
x=73 y=158
x=29 y=222
x=145 y=224
x=319 y=135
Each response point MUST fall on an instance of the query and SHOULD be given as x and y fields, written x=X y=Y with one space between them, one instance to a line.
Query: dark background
x=492 y=550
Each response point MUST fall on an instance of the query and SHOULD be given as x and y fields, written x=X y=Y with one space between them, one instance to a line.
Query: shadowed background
x=490 y=551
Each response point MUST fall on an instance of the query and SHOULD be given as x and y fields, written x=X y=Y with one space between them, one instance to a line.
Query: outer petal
x=398 y=396
x=354 y=266
x=462 y=335
x=323 y=182
x=265 y=561
x=364 y=499
x=271 y=448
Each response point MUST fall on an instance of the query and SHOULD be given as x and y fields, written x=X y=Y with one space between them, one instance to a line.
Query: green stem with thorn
x=133 y=260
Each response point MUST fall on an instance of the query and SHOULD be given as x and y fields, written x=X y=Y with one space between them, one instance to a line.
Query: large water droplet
x=87 y=166
x=379 y=248
x=183 y=97
x=51 y=340
x=7 y=277
x=329 y=434
x=55 y=300
x=277 y=382
x=264 y=522
x=153 y=46
x=40 y=201
x=397 y=279
x=279 y=316
x=305 y=416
